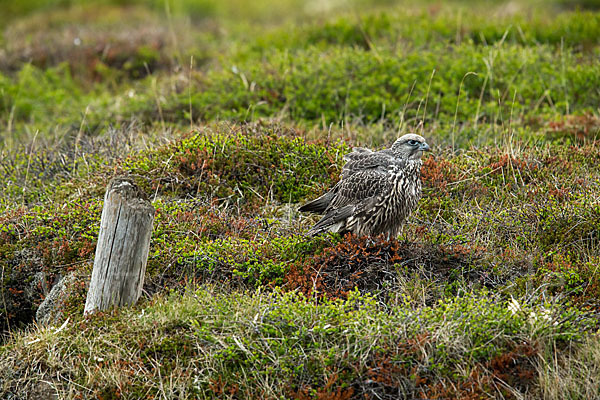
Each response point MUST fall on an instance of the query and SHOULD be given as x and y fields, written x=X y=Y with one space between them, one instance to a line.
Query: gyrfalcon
x=376 y=193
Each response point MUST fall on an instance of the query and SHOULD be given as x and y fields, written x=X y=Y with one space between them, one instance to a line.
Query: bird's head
x=410 y=147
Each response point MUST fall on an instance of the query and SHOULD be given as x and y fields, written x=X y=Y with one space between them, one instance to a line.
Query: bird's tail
x=333 y=221
x=318 y=205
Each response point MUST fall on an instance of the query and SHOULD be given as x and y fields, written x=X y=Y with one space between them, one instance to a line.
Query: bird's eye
x=413 y=142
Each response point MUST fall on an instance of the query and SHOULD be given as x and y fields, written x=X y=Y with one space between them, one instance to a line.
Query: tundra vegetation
x=228 y=114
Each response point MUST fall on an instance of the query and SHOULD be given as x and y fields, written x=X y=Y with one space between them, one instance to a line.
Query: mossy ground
x=227 y=122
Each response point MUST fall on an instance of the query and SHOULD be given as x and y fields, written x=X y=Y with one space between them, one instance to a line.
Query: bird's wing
x=364 y=159
x=353 y=195
x=367 y=165
x=357 y=152
x=361 y=160
x=358 y=187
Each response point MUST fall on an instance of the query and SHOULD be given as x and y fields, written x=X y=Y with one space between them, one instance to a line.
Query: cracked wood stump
x=122 y=249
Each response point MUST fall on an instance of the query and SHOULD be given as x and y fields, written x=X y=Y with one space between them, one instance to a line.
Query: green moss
x=509 y=201
x=241 y=165
x=415 y=28
x=343 y=71
x=288 y=344
x=351 y=84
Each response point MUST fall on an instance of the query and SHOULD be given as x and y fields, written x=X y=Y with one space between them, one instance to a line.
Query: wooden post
x=123 y=245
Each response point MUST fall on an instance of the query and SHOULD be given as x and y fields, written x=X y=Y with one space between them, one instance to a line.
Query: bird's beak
x=424 y=147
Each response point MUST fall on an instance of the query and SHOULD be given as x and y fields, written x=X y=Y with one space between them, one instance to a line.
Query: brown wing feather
x=357 y=187
x=352 y=196
x=365 y=160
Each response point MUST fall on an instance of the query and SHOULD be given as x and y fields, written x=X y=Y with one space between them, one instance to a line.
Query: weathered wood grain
x=122 y=249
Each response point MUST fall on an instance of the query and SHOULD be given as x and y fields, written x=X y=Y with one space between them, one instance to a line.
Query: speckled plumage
x=376 y=193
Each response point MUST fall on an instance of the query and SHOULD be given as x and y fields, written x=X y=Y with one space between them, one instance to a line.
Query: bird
x=376 y=193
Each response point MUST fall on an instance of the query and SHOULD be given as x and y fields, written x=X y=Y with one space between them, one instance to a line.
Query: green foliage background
x=228 y=114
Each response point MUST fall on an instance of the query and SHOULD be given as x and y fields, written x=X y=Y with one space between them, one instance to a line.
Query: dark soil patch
x=377 y=265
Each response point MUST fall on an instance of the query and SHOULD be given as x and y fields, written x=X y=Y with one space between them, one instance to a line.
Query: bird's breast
x=405 y=190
